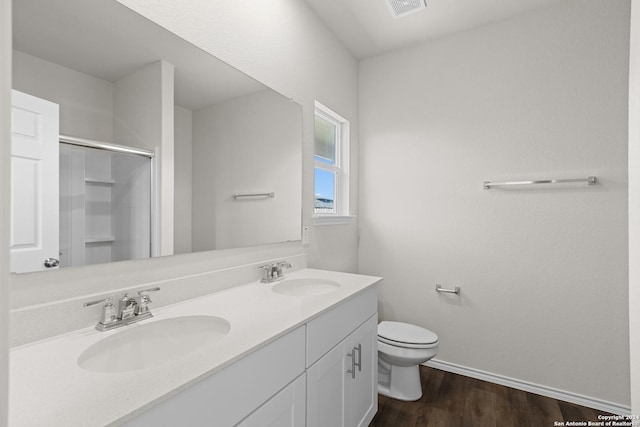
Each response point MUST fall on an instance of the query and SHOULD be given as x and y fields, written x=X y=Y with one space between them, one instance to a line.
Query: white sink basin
x=145 y=345
x=305 y=287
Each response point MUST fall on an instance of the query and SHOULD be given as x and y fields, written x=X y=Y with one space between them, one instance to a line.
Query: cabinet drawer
x=327 y=330
x=228 y=396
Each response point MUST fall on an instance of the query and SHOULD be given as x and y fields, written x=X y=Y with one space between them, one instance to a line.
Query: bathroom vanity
x=301 y=351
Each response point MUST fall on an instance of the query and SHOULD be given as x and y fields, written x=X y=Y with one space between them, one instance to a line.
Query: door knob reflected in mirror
x=51 y=262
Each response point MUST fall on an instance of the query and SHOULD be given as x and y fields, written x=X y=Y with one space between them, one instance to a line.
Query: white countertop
x=48 y=388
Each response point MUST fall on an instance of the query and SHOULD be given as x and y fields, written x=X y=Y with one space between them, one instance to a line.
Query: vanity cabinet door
x=285 y=409
x=326 y=389
x=363 y=390
x=342 y=385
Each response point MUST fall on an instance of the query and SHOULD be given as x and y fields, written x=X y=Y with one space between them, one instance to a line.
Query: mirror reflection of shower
x=105 y=205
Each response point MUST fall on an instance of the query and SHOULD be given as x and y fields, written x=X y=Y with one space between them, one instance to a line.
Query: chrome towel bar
x=590 y=180
x=239 y=196
x=455 y=290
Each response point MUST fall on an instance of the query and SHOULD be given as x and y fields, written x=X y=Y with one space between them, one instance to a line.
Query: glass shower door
x=105 y=206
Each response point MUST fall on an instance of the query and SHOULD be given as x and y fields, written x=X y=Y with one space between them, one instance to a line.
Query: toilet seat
x=407 y=345
x=401 y=334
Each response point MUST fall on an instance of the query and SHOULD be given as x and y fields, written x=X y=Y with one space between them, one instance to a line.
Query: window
x=331 y=158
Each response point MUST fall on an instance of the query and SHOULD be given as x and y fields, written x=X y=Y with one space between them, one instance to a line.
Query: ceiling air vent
x=400 y=8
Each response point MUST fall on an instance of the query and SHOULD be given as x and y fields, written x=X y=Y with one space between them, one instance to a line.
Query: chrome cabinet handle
x=51 y=262
x=352 y=371
x=359 y=363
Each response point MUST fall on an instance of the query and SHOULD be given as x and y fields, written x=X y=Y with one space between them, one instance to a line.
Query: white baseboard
x=554 y=393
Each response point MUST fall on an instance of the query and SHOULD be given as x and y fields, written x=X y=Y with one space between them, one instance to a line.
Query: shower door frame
x=154 y=250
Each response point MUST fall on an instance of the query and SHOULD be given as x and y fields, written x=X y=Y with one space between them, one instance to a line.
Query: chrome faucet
x=142 y=302
x=129 y=310
x=272 y=272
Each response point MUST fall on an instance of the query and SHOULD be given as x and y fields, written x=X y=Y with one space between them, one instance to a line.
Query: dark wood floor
x=451 y=400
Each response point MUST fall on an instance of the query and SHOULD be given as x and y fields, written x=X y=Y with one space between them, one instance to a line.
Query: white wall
x=634 y=206
x=543 y=272
x=246 y=145
x=86 y=102
x=5 y=196
x=183 y=194
x=143 y=117
x=284 y=45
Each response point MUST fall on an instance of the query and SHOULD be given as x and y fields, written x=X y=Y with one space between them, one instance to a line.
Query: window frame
x=340 y=168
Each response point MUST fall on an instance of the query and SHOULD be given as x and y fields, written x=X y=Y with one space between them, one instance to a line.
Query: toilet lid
x=405 y=333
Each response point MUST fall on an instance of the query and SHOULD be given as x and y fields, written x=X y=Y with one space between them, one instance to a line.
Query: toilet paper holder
x=455 y=290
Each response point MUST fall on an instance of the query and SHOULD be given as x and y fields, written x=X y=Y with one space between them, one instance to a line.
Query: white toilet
x=401 y=348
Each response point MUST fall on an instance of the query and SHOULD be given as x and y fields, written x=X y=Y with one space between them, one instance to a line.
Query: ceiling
x=107 y=40
x=367 y=28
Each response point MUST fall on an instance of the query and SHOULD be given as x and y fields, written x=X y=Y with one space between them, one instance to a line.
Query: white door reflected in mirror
x=73 y=205
x=34 y=183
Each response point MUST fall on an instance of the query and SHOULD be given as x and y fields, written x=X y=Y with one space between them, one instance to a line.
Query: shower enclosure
x=105 y=203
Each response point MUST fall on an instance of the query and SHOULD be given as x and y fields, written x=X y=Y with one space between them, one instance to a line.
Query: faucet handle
x=143 y=293
x=109 y=314
x=267 y=272
x=144 y=300
x=280 y=265
x=98 y=301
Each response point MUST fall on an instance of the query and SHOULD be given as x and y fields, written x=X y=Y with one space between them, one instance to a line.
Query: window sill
x=333 y=219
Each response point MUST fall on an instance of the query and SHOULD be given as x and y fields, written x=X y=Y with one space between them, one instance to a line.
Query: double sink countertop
x=48 y=387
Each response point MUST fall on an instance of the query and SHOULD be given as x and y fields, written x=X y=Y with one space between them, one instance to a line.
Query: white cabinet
x=341 y=386
x=228 y=396
x=271 y=387
x=285 y=409
x=326 y=388
x=363 y=387
x=338 y=340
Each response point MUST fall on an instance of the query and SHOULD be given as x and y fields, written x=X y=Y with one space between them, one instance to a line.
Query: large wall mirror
x=160 y=148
